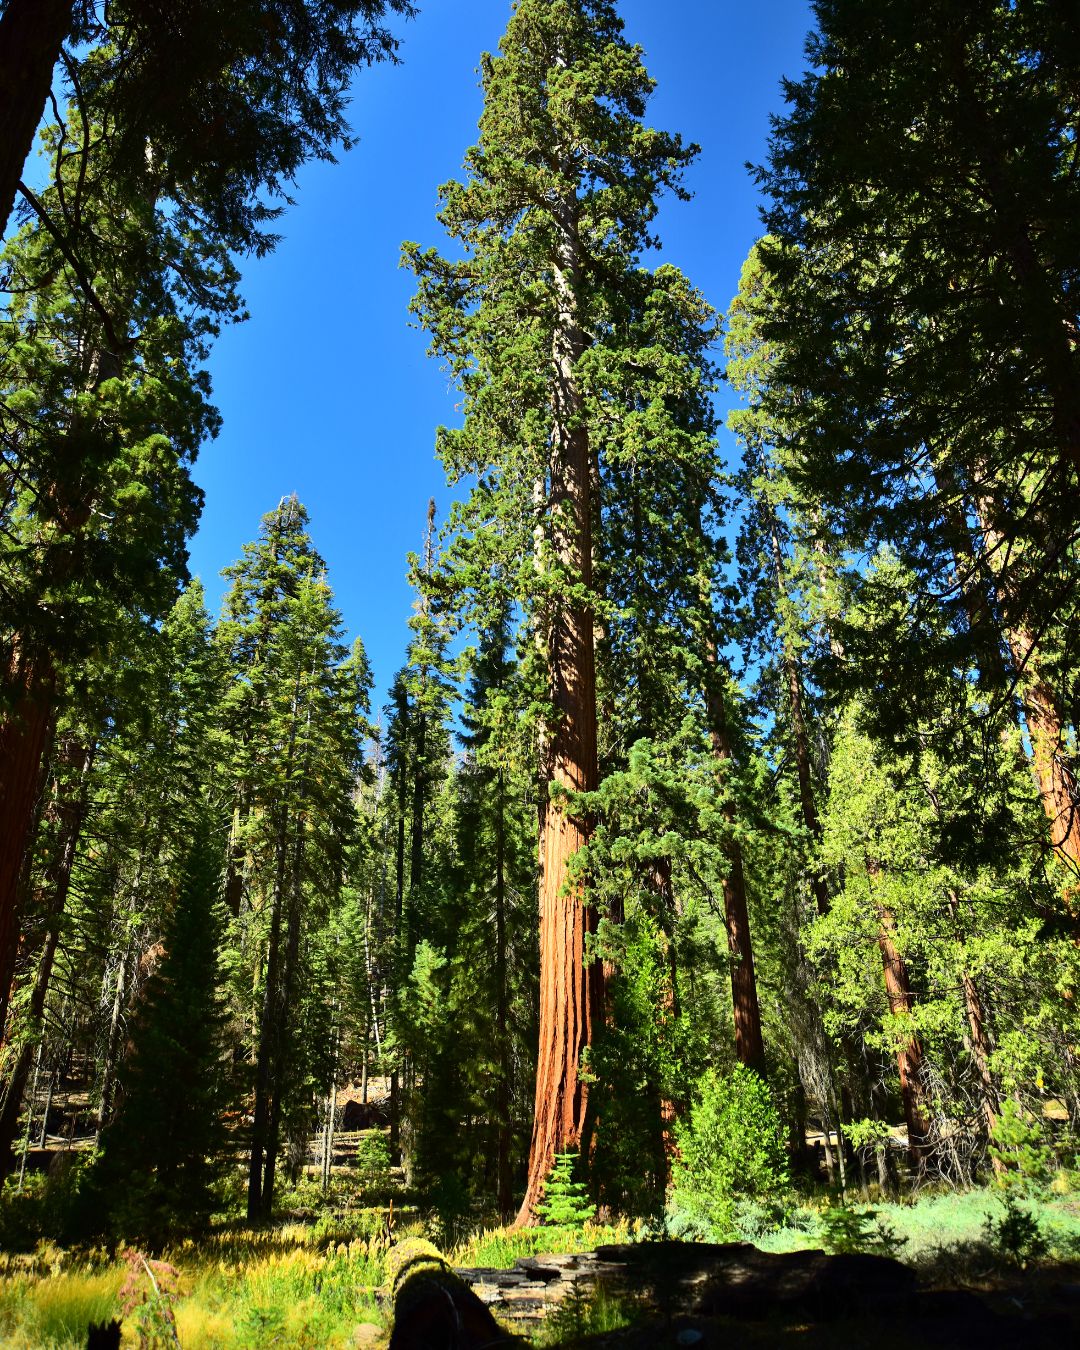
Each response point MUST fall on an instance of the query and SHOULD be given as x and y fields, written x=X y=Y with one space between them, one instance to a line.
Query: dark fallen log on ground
x=434 y=1309
x=691 y=1293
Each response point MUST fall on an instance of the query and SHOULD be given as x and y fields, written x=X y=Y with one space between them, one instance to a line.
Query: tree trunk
x=749 y=1045
x=263 y=1064
x=1058 y=789
x=570 y=990
x=799 y=737
x=25 y=732
x=32 y=33
x=909 y=1054
x=502 y=1015
x=112 y=1044
x=281 y=1015
x=978 y=1038
x=58 y=881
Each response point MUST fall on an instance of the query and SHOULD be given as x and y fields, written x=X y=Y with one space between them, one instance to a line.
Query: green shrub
x=373 y=1161
x=730 y=1148
x=586 y=1313
x=1017 y=1233
x=846 y=1230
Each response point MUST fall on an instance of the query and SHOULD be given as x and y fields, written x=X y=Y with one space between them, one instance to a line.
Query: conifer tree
x=561 y=191
x=166 y=1145
x=295 y=717
x=922 y=362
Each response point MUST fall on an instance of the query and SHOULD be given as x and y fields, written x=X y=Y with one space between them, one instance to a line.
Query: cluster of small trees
x=787 y=750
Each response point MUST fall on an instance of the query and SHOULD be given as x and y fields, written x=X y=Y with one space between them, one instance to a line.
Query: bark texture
x=571 y=992
x=909 y=1054
x=25 y=732
x=32 y=33
x=70 y=810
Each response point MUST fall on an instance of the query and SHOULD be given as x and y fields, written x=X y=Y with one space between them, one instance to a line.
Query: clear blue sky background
x=327 y=390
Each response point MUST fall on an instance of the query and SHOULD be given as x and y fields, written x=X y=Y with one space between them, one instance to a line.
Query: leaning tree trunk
x=32 y=33
x=570 y=989
x=71 y=814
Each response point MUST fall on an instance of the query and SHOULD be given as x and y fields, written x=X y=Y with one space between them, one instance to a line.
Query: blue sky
x=327 y=390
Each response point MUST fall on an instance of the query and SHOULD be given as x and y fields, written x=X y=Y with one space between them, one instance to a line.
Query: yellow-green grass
x=53 y=1311
x=237 y=1292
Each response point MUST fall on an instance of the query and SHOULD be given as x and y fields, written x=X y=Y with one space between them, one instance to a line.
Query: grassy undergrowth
x=237 y=1291
x=932 y=1229
x=315 y=1283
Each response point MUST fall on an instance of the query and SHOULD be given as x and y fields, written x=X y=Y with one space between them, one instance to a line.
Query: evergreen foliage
x=166 y=1147
x=566 y=1202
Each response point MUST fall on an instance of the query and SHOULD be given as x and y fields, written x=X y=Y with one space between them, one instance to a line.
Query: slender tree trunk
x=416 y=834
x=749 y=1045
x=25 y=732
x=112 y=1044
x=30 y=1111
x=978 y=1037
x=281 y=1014
x=399 y=909
x=32 y=33
x=799 y=738
x=263 y=1063
x=328 y=1132
x=571 y=995
x=909 y=1054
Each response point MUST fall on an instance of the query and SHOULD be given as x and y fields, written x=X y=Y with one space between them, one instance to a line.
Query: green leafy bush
x=730 y=1148
x=566 y=1203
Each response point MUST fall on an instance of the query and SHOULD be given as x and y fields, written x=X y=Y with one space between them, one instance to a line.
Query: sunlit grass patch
x=53 y=1313
x=499 y=1248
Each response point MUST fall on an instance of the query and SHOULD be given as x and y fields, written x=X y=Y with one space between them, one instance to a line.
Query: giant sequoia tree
x=555 y=211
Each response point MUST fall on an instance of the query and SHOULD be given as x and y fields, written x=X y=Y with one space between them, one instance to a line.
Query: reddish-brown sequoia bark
x=70 y=811
x=909 y=1054
x=25 y=732
x=1058 y=788
x=571 y=992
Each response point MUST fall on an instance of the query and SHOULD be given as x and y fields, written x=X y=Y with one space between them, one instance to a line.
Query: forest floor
x=317 y=1277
